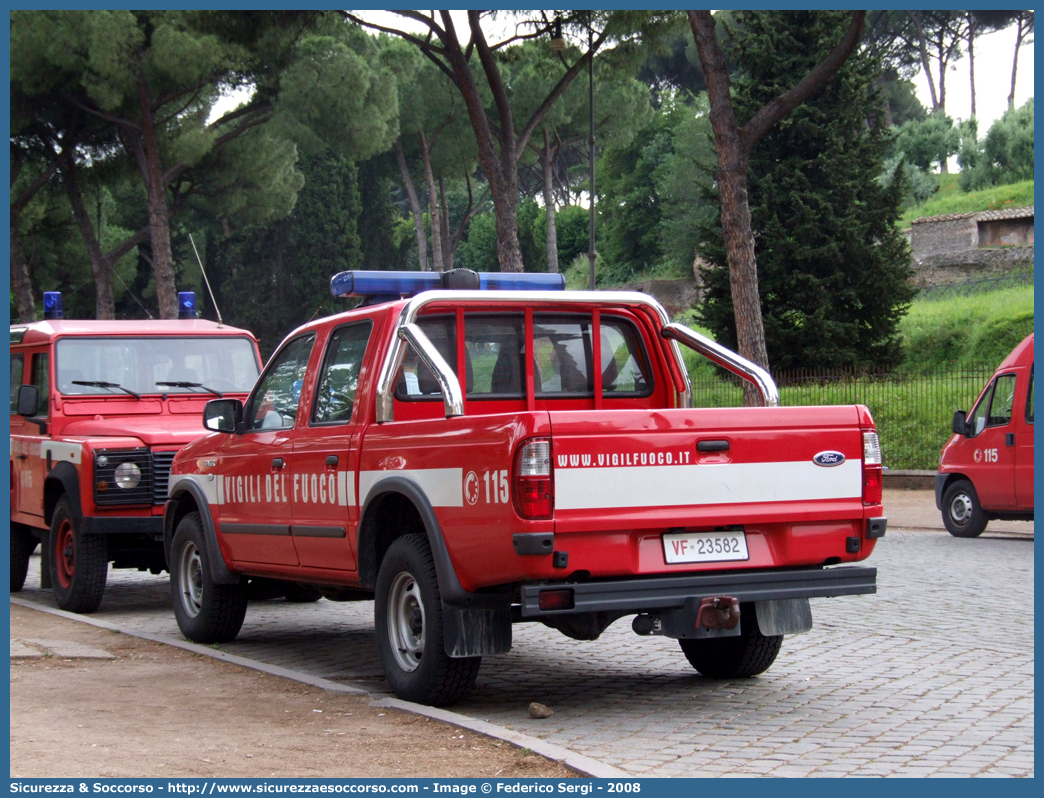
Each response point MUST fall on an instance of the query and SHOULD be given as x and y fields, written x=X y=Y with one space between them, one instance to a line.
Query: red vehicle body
x=93 y=436
x=986 y=469
x=468 y=480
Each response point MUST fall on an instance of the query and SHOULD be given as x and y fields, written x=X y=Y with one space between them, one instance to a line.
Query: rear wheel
x=23 y=544
x=79 y=563
x=962 y=514
x=748 y=654
x=206 y=612
x=408 y=617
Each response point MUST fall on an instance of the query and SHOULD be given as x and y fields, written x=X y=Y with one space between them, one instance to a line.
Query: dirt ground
x=158 y=711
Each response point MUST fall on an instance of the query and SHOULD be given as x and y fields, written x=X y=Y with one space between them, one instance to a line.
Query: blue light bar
x=386 y=286
x=52 y=305
x=186 y=305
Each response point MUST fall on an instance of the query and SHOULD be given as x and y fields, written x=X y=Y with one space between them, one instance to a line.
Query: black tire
x=206 y=612
x=962 y=514
x=300 y=593
x=408 y=617
x=23 y=544
x=79 y=563
x=747 y=655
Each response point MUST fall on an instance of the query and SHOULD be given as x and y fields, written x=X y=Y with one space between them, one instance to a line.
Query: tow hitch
x=720 y=612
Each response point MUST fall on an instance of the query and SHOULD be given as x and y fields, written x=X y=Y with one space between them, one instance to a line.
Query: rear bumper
x=626 y=596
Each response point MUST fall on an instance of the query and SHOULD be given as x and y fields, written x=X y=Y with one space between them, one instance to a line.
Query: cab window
x=339 y=379
x=275 y=400
x=17 y=363
x=42 y=381
x=994 y=407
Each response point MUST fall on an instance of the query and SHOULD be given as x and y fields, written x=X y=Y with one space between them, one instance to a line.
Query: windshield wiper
x=101 y=384
x=180 y=384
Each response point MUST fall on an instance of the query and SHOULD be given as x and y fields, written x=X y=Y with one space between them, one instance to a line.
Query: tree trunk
x=433 y=206
x=415 y=208
x=448 y=246
x=159 y=215
x=733 y=144
x=926 y=63
x=1019 y=32
x=20 y=276
x=101 y=269
x=971 y=59
x=549 y=207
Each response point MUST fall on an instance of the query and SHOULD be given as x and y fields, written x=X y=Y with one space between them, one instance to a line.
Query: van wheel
x=408 y=617
x=206 y=612
x=748 y=654
x=962 y=514
x=23 y=544
x=79 y=563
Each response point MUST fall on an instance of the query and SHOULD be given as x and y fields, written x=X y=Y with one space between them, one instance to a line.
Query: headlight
x=128 y=475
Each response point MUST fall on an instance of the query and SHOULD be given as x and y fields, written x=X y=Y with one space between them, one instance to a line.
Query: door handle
x=277 y=462
x=21 y=457
x=332 y=460
x=1009 y=439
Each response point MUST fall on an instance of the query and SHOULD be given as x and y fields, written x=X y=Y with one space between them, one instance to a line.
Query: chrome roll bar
x=408 y=332
x=727 y=359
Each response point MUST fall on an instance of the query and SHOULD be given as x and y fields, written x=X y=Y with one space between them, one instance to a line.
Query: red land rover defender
x=98 y=411
x=471 y=458
x=986 y=470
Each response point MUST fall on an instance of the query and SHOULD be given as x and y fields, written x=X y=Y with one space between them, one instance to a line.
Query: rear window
x=562 y=350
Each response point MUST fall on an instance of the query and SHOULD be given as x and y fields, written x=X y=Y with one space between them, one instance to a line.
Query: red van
x=986 y=470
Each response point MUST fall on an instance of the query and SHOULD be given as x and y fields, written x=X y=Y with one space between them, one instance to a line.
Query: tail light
x=872 y=468
x=534 y=490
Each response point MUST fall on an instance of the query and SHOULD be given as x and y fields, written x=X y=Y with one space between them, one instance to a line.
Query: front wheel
x=748 y=654
x=206 y=612
x=962 y=514
x=79 y=563
x=408 y=617
x=23 y=544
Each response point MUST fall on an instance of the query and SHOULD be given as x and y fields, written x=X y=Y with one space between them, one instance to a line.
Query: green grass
x=966 y=331
x=950 y=199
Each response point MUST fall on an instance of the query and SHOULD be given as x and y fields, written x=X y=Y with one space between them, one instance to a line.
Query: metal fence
x=969 y=287
x=913 y=410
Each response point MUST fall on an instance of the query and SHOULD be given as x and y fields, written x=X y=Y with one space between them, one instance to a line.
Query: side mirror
x=960 y=423
x=28 y=400
x=222 y=415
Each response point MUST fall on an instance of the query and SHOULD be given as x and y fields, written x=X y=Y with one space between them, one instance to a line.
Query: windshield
x=215 y=363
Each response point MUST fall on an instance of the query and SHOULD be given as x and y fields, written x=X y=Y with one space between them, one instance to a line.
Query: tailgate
x=639 y=469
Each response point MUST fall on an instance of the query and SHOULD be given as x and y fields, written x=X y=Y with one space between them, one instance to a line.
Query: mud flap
x=783 y=616
x=475 y=632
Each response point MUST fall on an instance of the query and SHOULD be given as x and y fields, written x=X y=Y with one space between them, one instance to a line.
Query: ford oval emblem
x=828 y=459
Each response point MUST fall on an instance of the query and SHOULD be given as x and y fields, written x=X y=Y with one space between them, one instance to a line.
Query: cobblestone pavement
x=933 y=676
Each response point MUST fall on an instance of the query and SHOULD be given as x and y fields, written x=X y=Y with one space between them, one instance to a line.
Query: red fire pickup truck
x=475 y=455
x=986 y=469
x=98 y=410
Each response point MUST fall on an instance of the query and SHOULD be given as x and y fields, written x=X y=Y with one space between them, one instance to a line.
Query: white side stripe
x=442 y=486
x=208 y=483
x=679 y=486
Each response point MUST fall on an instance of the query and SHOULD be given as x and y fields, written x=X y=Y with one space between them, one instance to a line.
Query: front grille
x=161 y=475
x=106 y=492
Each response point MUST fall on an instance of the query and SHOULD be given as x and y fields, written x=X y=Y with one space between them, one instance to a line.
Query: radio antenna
x=209 y=289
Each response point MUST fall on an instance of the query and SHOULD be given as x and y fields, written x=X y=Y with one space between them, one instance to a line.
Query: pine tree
x=832 y=266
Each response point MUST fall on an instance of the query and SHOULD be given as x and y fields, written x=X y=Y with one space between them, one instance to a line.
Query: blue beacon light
x=186 y=305
x=388 y=286
x=52 y=305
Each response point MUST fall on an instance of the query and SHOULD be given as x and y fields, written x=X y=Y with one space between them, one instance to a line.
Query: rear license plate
x=705 y=546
